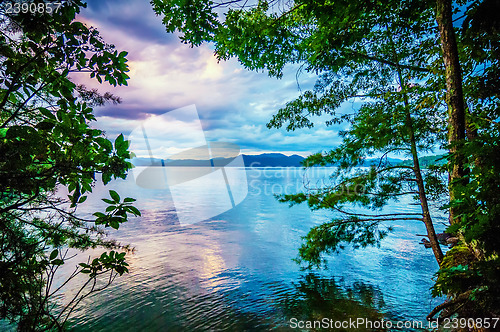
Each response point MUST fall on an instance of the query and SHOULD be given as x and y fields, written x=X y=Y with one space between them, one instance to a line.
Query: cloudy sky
x=233 y=104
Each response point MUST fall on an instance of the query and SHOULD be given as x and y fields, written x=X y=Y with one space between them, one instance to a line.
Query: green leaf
x=57 y=262
x=114 y=224
x=53 y=254
x=121 y=144
x=106 y=177
x=104 y=143
x=45 y=125
x=99 y=215
x=134 y=210
x=48 y=114
x=114 y=195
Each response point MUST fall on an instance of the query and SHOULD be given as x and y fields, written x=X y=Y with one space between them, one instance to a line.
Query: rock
x=452 y=241
x=443 y=237
x=426 y=243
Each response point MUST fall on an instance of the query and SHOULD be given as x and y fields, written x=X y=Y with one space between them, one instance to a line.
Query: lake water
x=235 y=272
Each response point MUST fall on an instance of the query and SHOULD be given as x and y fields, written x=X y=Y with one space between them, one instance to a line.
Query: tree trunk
x=429 y=226
x=454 y=98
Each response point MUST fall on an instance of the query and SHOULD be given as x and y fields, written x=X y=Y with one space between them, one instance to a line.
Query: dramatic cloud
x=234 y=104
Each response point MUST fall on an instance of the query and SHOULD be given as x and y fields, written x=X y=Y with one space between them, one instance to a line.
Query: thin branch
x=373 y=215
x=390 y=63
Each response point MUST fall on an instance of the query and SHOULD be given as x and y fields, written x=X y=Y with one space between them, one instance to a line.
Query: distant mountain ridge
x=272 y=160
x=260 y=160
x=276 y=160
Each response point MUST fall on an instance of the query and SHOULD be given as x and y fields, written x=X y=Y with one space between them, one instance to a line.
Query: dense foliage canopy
x=48 y=147
x=426 y=76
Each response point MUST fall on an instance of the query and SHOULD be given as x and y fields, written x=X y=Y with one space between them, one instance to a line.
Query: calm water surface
x=235 y=272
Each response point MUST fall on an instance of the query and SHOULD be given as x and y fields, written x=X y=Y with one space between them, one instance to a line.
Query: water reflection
x=235 y=272
x=317 y=298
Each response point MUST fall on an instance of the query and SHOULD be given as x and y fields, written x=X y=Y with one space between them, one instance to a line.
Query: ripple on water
x=235 y=272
